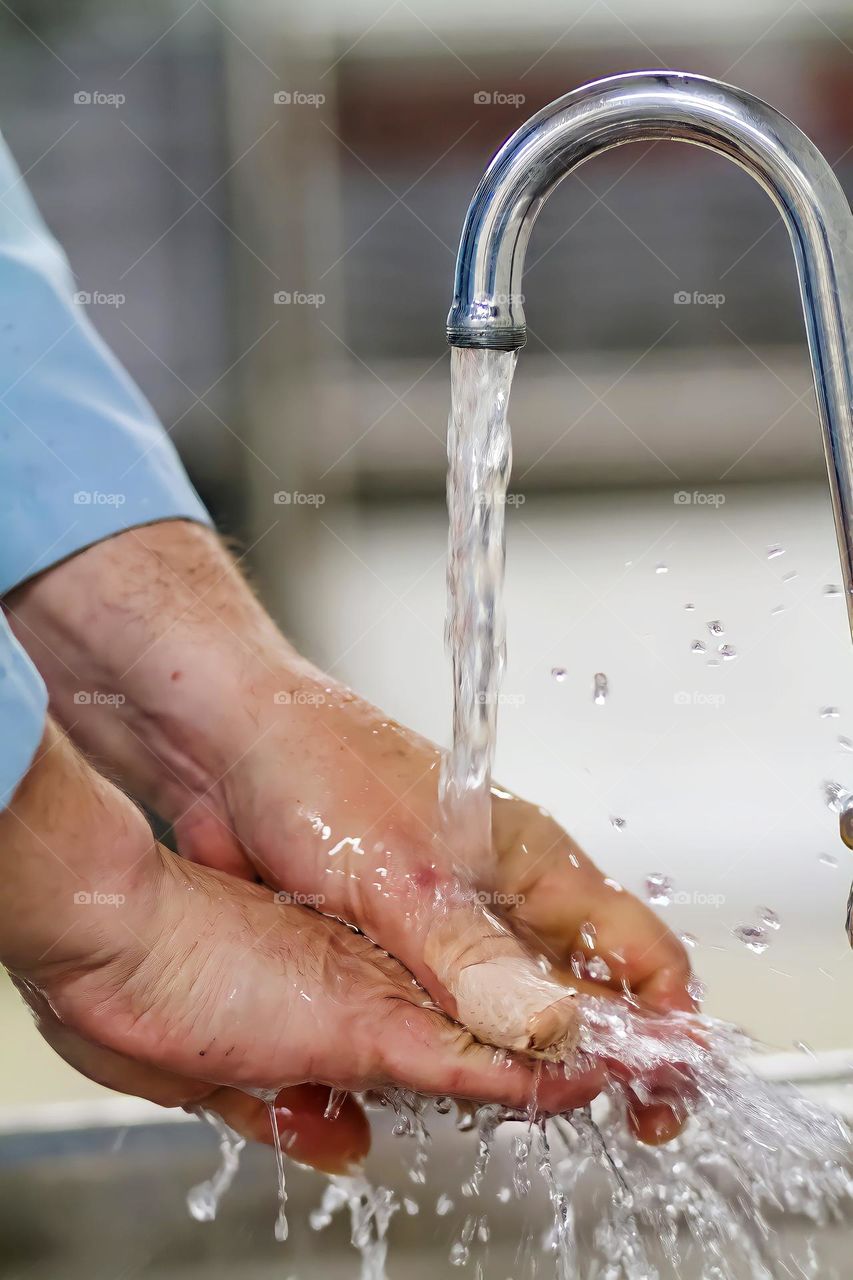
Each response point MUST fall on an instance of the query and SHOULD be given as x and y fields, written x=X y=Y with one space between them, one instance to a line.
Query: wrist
x=158 y=657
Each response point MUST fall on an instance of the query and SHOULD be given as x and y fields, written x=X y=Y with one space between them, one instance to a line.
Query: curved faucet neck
x=487 y=309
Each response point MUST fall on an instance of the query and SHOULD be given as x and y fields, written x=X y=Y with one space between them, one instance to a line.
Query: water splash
x=203 y=1200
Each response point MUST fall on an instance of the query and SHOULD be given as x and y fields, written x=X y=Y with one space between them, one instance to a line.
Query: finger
x=422 y=1046
x=499 y=991
x=656 y=1123
x=571 y=908
x=334 y=1140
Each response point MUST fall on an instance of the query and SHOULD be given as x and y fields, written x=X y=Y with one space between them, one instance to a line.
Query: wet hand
x=188 y=987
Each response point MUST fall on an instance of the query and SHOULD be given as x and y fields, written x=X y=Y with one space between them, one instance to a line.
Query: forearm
x=155 y=652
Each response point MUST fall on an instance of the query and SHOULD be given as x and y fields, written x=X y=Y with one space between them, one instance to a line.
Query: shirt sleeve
x=83 y=454
x=23 y=708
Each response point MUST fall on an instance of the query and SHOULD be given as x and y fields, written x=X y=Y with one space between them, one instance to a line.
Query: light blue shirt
x=83 y=454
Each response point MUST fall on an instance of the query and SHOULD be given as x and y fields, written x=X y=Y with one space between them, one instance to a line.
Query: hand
x=186 y=986
x=266 y=767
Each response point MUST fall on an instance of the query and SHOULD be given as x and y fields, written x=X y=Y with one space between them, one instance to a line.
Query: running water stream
x=479 y=459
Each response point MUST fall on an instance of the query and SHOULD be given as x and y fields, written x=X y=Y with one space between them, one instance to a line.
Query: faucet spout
x=643 y=106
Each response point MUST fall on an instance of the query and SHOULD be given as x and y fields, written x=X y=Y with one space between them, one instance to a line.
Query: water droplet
x=845 y=743
x=559 y=674
x=443 y=1205
x=411 y=1206
x=690 y=606
x=777 y=609
x=689 y=939
x=774 y=551
x=618 y=824
x=727 y=652
x=587 y=934
x=600 y=688
x=832 y=589
x=598 y=969
x=698 y=646
x=716 y=627
x=752 y=936
x=696 y=989
x=768 y=917
x=829 y=713
x=835 y=796
x=827 y=859
x=659 y=889
x=789 y=576
x=661 y=568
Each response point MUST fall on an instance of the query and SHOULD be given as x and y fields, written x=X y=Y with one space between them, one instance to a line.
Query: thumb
x=499 y=991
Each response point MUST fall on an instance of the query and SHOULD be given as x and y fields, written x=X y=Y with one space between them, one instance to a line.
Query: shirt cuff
x=23 y=710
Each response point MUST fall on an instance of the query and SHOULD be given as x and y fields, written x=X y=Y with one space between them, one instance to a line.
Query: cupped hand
x=188 y=986
x=338 y=805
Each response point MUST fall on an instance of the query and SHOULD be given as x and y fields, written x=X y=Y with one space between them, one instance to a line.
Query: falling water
x=479 y=460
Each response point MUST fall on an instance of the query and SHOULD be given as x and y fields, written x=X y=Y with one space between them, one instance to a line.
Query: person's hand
x=188 y=987
x=267 y=768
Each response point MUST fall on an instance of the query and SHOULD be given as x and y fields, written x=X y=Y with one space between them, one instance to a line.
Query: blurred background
x=263 y=201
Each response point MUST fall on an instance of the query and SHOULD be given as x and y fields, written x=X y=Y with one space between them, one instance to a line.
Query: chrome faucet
x=644 y=106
